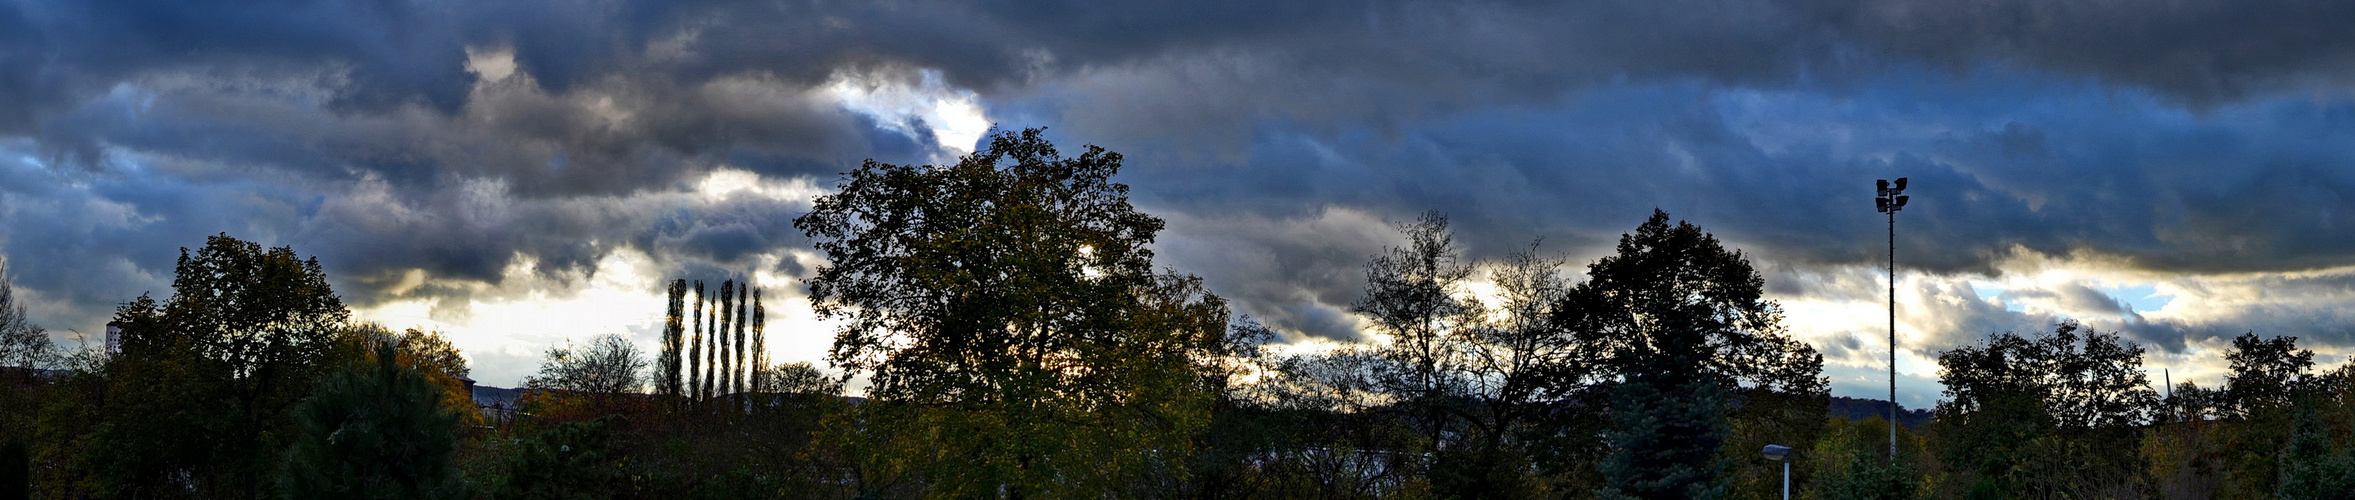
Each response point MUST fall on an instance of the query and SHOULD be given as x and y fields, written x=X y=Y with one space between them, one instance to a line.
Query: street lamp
x=1890 y=200
x=1780 y=453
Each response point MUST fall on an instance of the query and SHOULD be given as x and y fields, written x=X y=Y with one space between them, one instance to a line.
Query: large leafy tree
x=2257 y=404
x=1007 y=311
x=2265 y=373
x=2045 y=415
x=1684 y=330
x=200 y=397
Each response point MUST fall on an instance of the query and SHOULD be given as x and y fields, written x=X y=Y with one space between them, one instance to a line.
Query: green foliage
x=377 y=430
x=571 y=460
x=1664 y=440
x=2318 y=460
x=2312 y=466
x=1852 y=462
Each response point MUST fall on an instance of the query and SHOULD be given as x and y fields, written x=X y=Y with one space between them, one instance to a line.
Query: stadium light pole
x=1889 y=201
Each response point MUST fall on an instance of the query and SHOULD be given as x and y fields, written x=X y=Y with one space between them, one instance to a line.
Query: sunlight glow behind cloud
x=926 y=106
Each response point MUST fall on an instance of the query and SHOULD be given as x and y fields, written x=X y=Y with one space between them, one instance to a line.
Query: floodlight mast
x=1889 y=201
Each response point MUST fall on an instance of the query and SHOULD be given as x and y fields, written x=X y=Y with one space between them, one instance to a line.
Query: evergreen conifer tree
x=377 y=430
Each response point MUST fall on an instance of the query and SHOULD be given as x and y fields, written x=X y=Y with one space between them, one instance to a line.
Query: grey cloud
x=2203 y=52
x=1296 y=274
x=2069 y=297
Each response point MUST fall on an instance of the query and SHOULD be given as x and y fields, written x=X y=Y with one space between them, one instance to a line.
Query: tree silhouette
x=2043 y=415
x=1008 y=313
x=2265 y=373
x=1682 y=325
x=760 y=345
x=248 y=331
x=22 y=343
x=607 y=367
x=1412 y=295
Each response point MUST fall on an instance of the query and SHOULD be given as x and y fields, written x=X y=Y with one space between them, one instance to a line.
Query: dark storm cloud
x=2001 y=161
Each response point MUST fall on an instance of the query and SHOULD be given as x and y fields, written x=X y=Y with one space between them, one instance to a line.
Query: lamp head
x=1900 y=185
x=1777 y=452
x=1881 y=186
x=1881 y=204
x=1900 y=202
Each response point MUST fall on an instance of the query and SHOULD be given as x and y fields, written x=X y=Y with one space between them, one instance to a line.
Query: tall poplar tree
x=742 y=378
x=760 y=344
x=695 y=350
x=673 y=332
x=727 y=371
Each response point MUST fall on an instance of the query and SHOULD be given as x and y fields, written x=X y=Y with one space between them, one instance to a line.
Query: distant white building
x=114 y=338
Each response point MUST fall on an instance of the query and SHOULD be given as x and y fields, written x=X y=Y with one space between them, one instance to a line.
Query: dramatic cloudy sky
x=522 y=173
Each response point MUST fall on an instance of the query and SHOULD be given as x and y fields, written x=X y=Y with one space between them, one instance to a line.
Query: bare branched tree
x=22 y=344
x=607 y=366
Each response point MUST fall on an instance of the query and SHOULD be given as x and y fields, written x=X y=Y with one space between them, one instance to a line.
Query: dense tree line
x=1015 y=339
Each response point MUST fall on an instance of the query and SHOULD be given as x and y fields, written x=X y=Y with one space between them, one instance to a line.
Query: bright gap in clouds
x=926 y=105
x=504 y=329
x=2143 y=297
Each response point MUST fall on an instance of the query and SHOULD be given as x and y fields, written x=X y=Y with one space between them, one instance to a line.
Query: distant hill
x=1860 y=409
x=495 y=396
x=506 y=398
